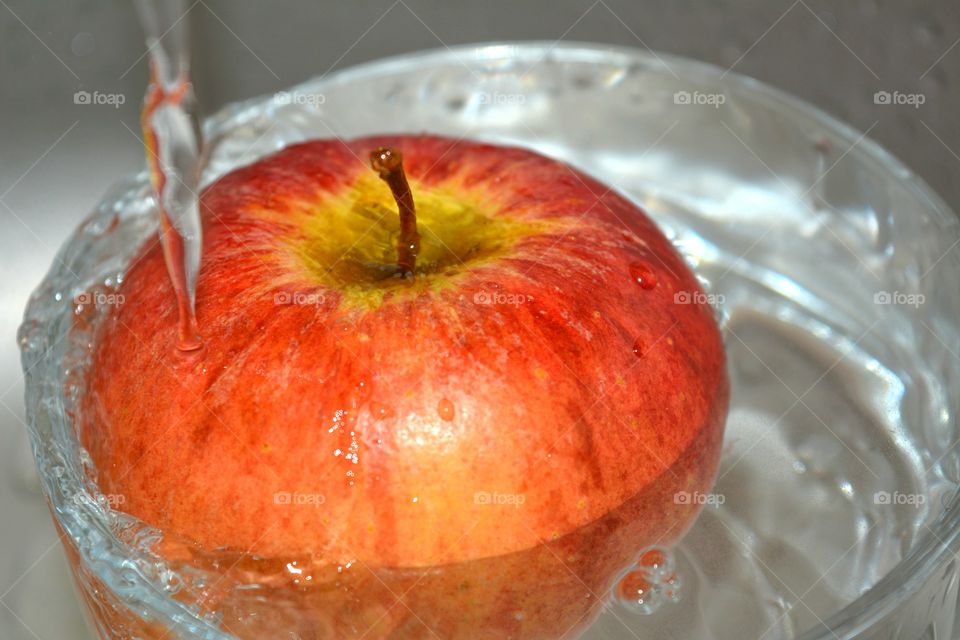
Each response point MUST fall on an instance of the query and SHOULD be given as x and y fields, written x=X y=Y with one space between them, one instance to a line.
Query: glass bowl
x=831 y=266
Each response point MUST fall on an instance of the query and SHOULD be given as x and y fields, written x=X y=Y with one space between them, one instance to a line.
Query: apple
x=467 y=430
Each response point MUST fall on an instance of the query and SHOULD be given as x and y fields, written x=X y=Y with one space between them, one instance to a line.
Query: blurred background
x=57 y=157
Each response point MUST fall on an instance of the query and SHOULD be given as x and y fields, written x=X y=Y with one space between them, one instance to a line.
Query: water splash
x=174 y=149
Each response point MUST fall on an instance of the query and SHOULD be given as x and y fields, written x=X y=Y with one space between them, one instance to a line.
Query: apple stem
x=388 y=163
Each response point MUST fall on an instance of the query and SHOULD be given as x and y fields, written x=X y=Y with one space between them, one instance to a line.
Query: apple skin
x=479 y=450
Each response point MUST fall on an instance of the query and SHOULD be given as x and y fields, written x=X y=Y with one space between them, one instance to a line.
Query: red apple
x=476 y=450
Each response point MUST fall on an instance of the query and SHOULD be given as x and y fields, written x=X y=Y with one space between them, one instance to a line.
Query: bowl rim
x=930 y=552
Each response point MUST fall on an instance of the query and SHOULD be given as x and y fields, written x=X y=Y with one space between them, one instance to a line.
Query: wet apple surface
x=520 y=412
x=348 y=240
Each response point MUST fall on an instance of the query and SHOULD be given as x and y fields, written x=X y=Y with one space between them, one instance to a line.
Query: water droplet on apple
x=639 y=348
x=490 y=284
x=445 y=409
x=194 y=357
x=643 y=275
x=381 y=411
x=363 y=391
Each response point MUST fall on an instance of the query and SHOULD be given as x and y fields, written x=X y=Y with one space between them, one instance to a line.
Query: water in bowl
x=833 y=297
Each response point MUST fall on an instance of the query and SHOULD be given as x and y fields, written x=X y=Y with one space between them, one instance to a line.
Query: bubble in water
x=445 y=409
x=637 y=594
x=27 y=336
x=651 y=582
x=657 y=561
x=671 y=587
x=638 y=348
x=643 y=275
x=83 y=44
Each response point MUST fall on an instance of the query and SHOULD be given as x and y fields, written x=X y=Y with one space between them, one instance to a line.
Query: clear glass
x=833 y=270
